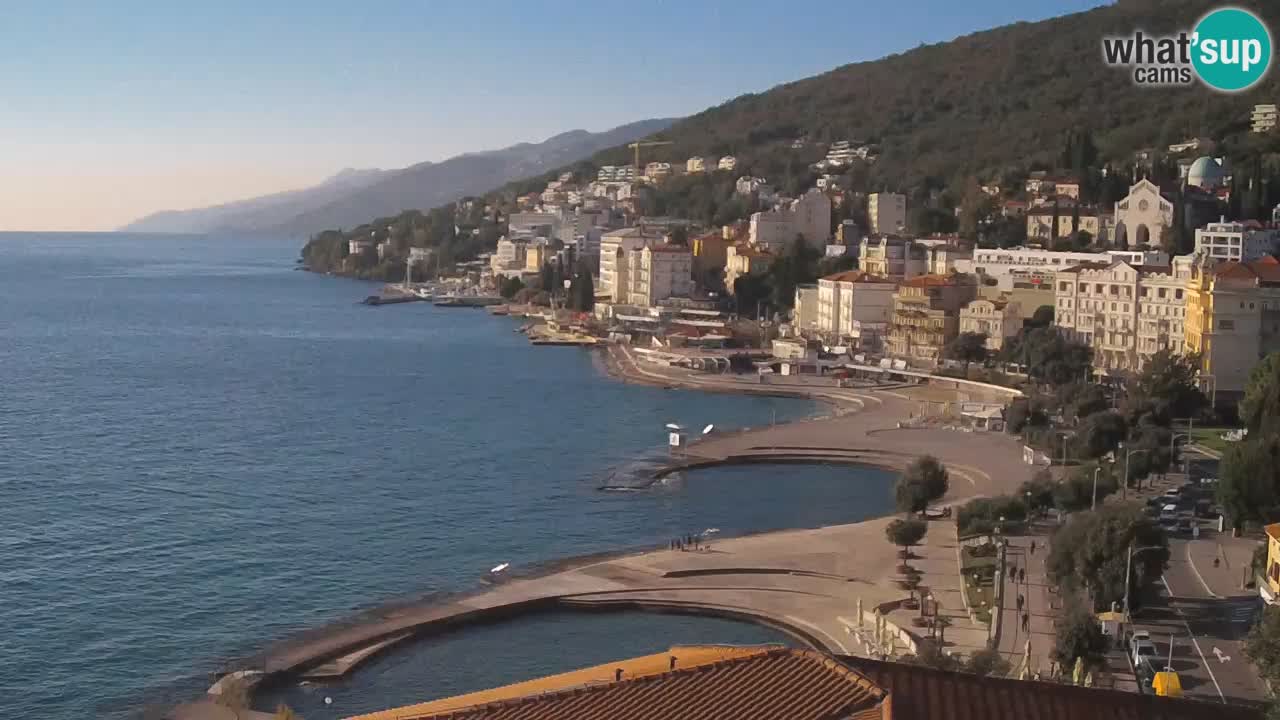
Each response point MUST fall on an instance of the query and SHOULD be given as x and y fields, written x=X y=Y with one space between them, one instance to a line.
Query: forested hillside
x=989 y=106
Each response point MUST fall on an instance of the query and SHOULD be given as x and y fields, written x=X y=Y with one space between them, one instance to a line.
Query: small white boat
x=500 y=568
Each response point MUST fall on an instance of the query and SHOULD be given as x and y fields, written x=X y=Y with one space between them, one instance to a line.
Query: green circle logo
x=1231 y=49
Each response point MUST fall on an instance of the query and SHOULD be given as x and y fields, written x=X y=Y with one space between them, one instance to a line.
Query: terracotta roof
x=1273 y=530
x=775 y=683
x=1265 y=270
x=932 y=281
x=921 y=693
x=855 y=276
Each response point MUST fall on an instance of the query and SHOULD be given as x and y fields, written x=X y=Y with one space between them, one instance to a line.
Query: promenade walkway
x=807 y=581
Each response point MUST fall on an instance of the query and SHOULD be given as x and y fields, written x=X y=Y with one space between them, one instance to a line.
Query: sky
x=111 y=111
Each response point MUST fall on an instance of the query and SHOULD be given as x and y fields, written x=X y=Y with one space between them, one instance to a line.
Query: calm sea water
x=202 y=450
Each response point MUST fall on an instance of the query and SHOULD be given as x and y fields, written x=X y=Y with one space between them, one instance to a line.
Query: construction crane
x=646 y=143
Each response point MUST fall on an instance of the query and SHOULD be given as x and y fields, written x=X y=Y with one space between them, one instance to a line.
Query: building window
x=1160 y=292
x=1226 y=324
x=1177 y=294
x=1062 y=287
x=1083 y=287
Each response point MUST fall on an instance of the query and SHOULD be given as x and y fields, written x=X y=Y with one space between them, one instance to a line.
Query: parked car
x=1143 y=650
x=1172 y=494
x=1184 y=524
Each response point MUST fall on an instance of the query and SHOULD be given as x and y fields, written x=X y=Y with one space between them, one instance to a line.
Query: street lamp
x=1124 y=487
x=1128 y=571
x=1094 y=505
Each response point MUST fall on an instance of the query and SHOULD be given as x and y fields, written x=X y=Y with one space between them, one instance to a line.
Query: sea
x=204 y=449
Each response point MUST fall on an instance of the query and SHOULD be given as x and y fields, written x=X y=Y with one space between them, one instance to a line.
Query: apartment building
x=1126 y=313
x=658 y=273
x=926 y=316
x=1005 y=264
x=728 y=162
x=695 y=164
x=1040 y=223
x=656 y=172
x=1263 y=118
x=744 y=259
x=508 y=257
x=805 y=316
x=854 y=306
x=1232 y=320
x=895 y=258
x=998 y=319
x=615 y=247
x=887 y=212
x=1241 y=242
x=808 y=216
x=710 y=252
x=616 y=173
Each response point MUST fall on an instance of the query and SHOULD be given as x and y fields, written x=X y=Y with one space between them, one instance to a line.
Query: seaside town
x=1079 y=399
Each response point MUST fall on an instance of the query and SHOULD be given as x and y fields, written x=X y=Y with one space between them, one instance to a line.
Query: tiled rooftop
x=761 y=684
x=921 y=693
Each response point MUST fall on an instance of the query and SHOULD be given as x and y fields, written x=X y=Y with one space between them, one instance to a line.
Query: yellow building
x=926 y=316
x=742 y=259
x=1233 y=320
x=1271 y=589
x=534 y=257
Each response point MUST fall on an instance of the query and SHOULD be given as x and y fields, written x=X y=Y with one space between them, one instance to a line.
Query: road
x=1207 y=633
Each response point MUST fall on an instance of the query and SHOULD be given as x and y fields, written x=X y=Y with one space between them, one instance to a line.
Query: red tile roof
x=1266 y=270
x=778 y=684
x=855 y=276
x=921 y=693
x=932 y=281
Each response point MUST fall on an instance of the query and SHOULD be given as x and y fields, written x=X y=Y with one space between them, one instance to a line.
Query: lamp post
x=1124 y=487
x=1128 y=571
x=1094 y=504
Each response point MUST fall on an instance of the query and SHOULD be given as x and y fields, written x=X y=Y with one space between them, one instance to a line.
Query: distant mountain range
x=353 y=196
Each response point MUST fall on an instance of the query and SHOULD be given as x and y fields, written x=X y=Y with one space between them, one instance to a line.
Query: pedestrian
x=1033 y=547
x=1022 y=575
x=1021 y=600
x=1026 y=622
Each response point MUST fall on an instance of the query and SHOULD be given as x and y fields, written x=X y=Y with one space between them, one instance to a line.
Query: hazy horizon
x=114 y=113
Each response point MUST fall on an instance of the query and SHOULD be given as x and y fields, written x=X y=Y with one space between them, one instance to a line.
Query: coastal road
x=1207 y=632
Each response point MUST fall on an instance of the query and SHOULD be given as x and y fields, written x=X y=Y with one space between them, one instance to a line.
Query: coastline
x=347 y=642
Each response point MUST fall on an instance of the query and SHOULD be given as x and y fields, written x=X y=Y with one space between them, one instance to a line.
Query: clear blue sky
x=112 y=110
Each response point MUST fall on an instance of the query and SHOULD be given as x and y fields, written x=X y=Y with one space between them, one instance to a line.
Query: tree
x=1079 y=400
x=1043 y=317
x=1076 y=491
x=1038 y=491
x=1078 y=636
x=983 y=515
x=1263 y=644
x=582 y=290
x=968 y=347
x=906 y=533
x=1100 y=433
x=987 y=662
x=1049 y=357
x=1090 y=552
x=1260 y=407
x=510 y=286
x=1247 y=482
x=1166 y=388
x=924 y=481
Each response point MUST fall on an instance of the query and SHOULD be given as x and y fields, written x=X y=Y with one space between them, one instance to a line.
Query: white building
x=1126 y=313
x=728 y=162
x=805 y=316
x=842 y=153
x=659 y=272
x=856 y=306
x=355 y=247
x=999 y=320
x=1142 y=217
x=753 y=186
x=1235 y=241
x=695 y=164
x=527 y=226
x=808 y=216
x=508 y=257
x=615 y=247
x=656 y=172
x=1263 y=118
x=887 y=212
x=616 y=173
x=1004 y=264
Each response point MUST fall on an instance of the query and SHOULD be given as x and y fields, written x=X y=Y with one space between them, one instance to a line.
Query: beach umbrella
x=1077 y=674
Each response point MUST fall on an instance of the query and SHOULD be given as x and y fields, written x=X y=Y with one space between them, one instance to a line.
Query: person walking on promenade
x=1026 y=622
x=1021 y=601
x=1022 y=575
x=1033 y=547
